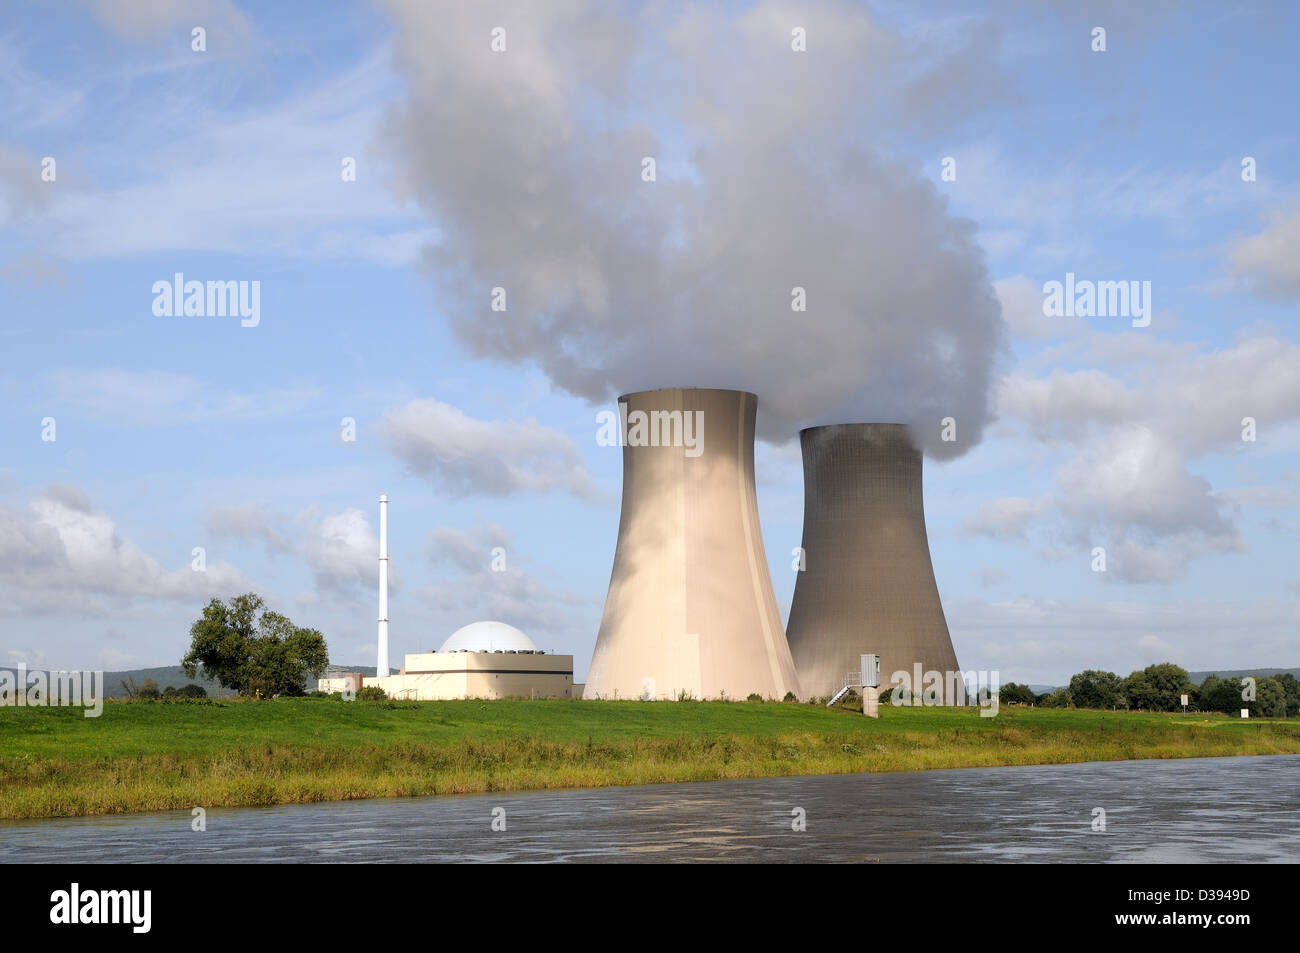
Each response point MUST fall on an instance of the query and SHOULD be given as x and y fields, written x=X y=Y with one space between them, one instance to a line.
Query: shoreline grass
x=152 y=757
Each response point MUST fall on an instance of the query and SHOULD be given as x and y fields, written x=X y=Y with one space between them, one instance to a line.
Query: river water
x=1213 y=810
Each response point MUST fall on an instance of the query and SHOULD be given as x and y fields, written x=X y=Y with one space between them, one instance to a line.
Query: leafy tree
x=1270 y=698
x=1158 y=687
x=1275 y=696
x=1057 y=699
x=148 y=691
x=1221 y=694
x=1290 y=688
x=1096 y=689
x=254 y=654
x=1013 y=694
x=189 y=691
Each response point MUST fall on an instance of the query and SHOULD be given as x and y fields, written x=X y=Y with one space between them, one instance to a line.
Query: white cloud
x=38 y=271
x=1022 y=308
x=1131 y=436
x=1046 y=641
x=342 y=550
x=1006 y=518
x=1192 y=395
x=1128 y=491
x=61 y=555
x=167 y=399
x=22 y=193
x=1269 y=262
x=1274 y=496
x=468 y=549
x=250 y=521
x=463 y=455
x=505 y=592
x=1135 y=477
x=1068 y=404
x=288 y=199
x=1048 y=216
x=227 y=28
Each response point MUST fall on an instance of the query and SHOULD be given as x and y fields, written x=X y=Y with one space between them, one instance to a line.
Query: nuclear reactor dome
x=488 y=637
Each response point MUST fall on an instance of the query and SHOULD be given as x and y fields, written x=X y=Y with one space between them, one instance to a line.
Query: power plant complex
x=690 y=612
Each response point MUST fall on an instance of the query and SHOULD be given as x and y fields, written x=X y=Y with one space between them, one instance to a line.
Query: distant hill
x=171 y=676
x=167 y=676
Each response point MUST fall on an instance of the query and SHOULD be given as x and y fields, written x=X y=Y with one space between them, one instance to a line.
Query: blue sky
x=174 y=433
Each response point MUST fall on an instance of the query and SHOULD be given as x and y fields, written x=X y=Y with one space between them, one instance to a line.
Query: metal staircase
x=851 y=680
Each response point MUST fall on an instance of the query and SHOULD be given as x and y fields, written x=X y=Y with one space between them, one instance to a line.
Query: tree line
x=148 y=691
x=1161 y=687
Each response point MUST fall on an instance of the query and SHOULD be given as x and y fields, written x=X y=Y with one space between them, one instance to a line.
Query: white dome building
x=482 y=660
x=488 y=637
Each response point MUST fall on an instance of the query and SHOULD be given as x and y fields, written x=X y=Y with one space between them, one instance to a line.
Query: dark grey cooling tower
x=868 y=586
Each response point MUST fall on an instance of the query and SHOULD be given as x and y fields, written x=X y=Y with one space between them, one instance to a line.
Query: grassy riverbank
x=146 y=757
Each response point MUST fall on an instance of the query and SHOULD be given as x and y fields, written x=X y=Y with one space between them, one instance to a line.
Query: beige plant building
x=690 y=610
x=482 y=660
x=868 y=584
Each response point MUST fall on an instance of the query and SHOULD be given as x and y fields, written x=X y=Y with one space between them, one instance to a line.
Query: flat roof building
x=482 y=660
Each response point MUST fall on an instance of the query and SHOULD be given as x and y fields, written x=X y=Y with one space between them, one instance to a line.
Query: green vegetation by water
x=158 y=756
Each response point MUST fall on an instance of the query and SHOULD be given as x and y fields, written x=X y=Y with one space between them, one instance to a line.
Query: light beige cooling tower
x=690 y=611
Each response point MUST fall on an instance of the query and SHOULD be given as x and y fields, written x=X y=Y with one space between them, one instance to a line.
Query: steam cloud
x=768 y=178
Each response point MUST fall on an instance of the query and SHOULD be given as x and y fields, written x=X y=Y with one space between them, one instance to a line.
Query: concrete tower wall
x=690 y=607
x=868 y=585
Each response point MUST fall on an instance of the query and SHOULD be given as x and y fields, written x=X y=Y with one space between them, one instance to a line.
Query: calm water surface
x=1216 y=810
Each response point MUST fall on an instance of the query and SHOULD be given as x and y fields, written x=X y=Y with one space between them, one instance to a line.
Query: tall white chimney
x=381 y=665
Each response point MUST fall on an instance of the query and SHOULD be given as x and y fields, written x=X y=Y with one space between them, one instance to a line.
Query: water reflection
x=1219 y=810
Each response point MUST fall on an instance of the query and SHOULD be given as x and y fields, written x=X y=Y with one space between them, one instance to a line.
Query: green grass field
x=145 y=757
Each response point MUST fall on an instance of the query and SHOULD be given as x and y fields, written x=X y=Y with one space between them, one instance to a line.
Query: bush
x=1291 y=688
x=372 y=693
x=1221 y=694
x=753 y=697
x=1014 y=694
x=1057 y=699
x=1157 y=688
x=789 y=697
x=1097 y=689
